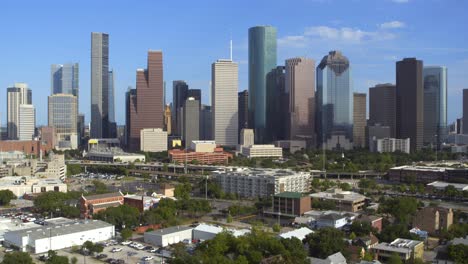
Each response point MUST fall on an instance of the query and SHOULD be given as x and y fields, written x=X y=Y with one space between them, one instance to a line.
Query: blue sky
x=373 y=34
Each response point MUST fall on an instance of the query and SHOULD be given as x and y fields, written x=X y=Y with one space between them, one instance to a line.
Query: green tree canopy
x=458 y=253
x=120 y=216
x=17 y=258
x=6 y=196
x=325 y=242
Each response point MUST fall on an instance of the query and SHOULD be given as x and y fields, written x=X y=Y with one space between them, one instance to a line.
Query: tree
x=74 y=260
x=182 y=191
x=402 y=208
x=394 y=259
x=325 y=242
x=121 y=216
x=100 y=187
x=126 y=233
x=276 y=228
x=17 y=258
x=6 y=196
x=56 y=259
x=229 y=218
x=361 y=228
x=54 y=203
x=368 y=256
x=458 y=253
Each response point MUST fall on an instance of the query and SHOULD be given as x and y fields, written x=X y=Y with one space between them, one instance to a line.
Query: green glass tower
x=262 y=60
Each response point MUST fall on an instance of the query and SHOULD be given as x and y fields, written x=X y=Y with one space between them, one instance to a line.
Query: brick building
x=291 y=203
x=29 y=147
x=433 y=219
x=92 y=204
x=218 y=156
x=373 y=220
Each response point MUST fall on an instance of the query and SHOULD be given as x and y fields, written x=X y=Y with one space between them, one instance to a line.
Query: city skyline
x=372 y=46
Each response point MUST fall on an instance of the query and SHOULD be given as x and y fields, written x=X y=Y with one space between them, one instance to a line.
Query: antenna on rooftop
x=230 y=47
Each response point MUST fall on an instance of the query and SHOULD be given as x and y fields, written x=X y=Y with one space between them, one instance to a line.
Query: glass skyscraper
x=111 y=97
x=99 y=85
x=262 y=60
x=435 y=104
x=65 y=79
x=334 y=102
x=63 y=116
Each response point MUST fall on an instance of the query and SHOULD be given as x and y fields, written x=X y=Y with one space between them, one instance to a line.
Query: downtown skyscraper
x=99 y=85
x=300 y=87
x=17 y=95
x=410 y=102
x=382 y=106
x=262 y=60
x=145 y=104
x=64 y=79
x=334 y=102
x=435 y=105
x=224 y=96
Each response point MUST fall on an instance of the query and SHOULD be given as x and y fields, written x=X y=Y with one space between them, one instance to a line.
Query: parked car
x=126 y=243
x=116 y=250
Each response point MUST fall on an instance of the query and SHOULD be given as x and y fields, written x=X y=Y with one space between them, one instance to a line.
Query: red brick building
x=92 y=204
x=374 y=221
x=141 y=202
x=219 y=156
x=291 y=203
x=29 y=147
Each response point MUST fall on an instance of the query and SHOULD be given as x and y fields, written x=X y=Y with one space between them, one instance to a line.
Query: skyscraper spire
x=230 y=48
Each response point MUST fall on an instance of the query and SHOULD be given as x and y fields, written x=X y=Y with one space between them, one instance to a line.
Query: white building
x=11 y=155
x=247 y=137
x=12 y=224
x=206 y=232
x=262 y=151
x=168 y=236
x=153 y=140
x=249 y=182
x=27 y=122
x=440 y=186
x=224 y=98
x=300 y=233
x=393 y=145
x=114 y=155
x=205 y=146
x=29 y=185
x=17 y=95
x=59 y=236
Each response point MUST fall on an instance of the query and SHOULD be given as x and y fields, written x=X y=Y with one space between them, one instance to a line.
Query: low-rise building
x=92 y=204
x=218 y=156
x=330 y=220
x=56 y=237
x=262 y=151
x=114 y=155
x=13 y=224
x=29 y=147
x=393 y=145
x=406 y=249
x=291 y=145
x=25 y=185
x=142 y=202
x=205 y=232
x=427 y=174
x=344 y=200
x=374 y=221
x=250 y=182
x=290 y=204
x=206 y=146
x=300 y=233
x=336 y=258
x=11 y=155
x=440 y=186
x=433 y=219
x=153 y=140
x=168 y=236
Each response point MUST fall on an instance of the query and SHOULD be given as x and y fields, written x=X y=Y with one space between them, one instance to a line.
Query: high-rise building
x=300 y=86
x=435 y=105
x=262 y=60
x=27 y=122
x=410 y=102
x=277 y=105
x=243 y=107
x=191 y=121
x=196 y=94
x=464 y=121
x=167 y=120
x=65 y=79
x=111 y=97
x=99 y=85
x=145 y=104
x=153 y=140
x=17 y=95
x=81 y=127
x=206 y=123
x=247 y=137
x=334 y=102
x=382 y=106
x=224 y=79
x=359 y=120
x=179 y=95
x=63 y=116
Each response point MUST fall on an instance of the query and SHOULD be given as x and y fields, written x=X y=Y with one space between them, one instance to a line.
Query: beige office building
x=63 y=116
x=359 y=119
x=153 y=140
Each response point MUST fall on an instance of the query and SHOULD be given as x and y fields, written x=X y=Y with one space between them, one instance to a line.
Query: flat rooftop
x=399 y=245
x=169 y=230
x=443 y=185
x=260 y=172
x=338 y=195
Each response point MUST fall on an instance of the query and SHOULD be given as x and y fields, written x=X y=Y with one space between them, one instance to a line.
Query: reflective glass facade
x=63 y=115
x=435 y=104
x=262 y=60
x=334 y=99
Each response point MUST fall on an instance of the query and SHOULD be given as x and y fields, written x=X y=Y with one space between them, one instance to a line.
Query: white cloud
x=293 y=41
x=347 y=34
x=392 y=24
x=400 y=1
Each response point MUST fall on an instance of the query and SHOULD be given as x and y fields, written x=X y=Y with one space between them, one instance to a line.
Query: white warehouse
x=59 y=236
x=168 y=236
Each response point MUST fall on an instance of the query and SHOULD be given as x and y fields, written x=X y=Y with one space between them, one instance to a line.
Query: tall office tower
x=196 y=94
x=277 y=105
x=458 y=126
x=145 y=108
x=243 y=107
x=435 y=105
x=179 y=95
x=191 y=121
x=167 y=120
x=27 y=122
x=224 y=80
x=80 y=126
x=111 y=97
x=130 y=109
x=410 y=102
x=464 y=121
x=99 y=85
x=206 y=123
x=247 y=137
x=334 y=102
x=63 y=116
x=65 y=79
x=300 y=85
x=382 y=106
x=359 y=120
x=262 y=60
x=17 y=95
